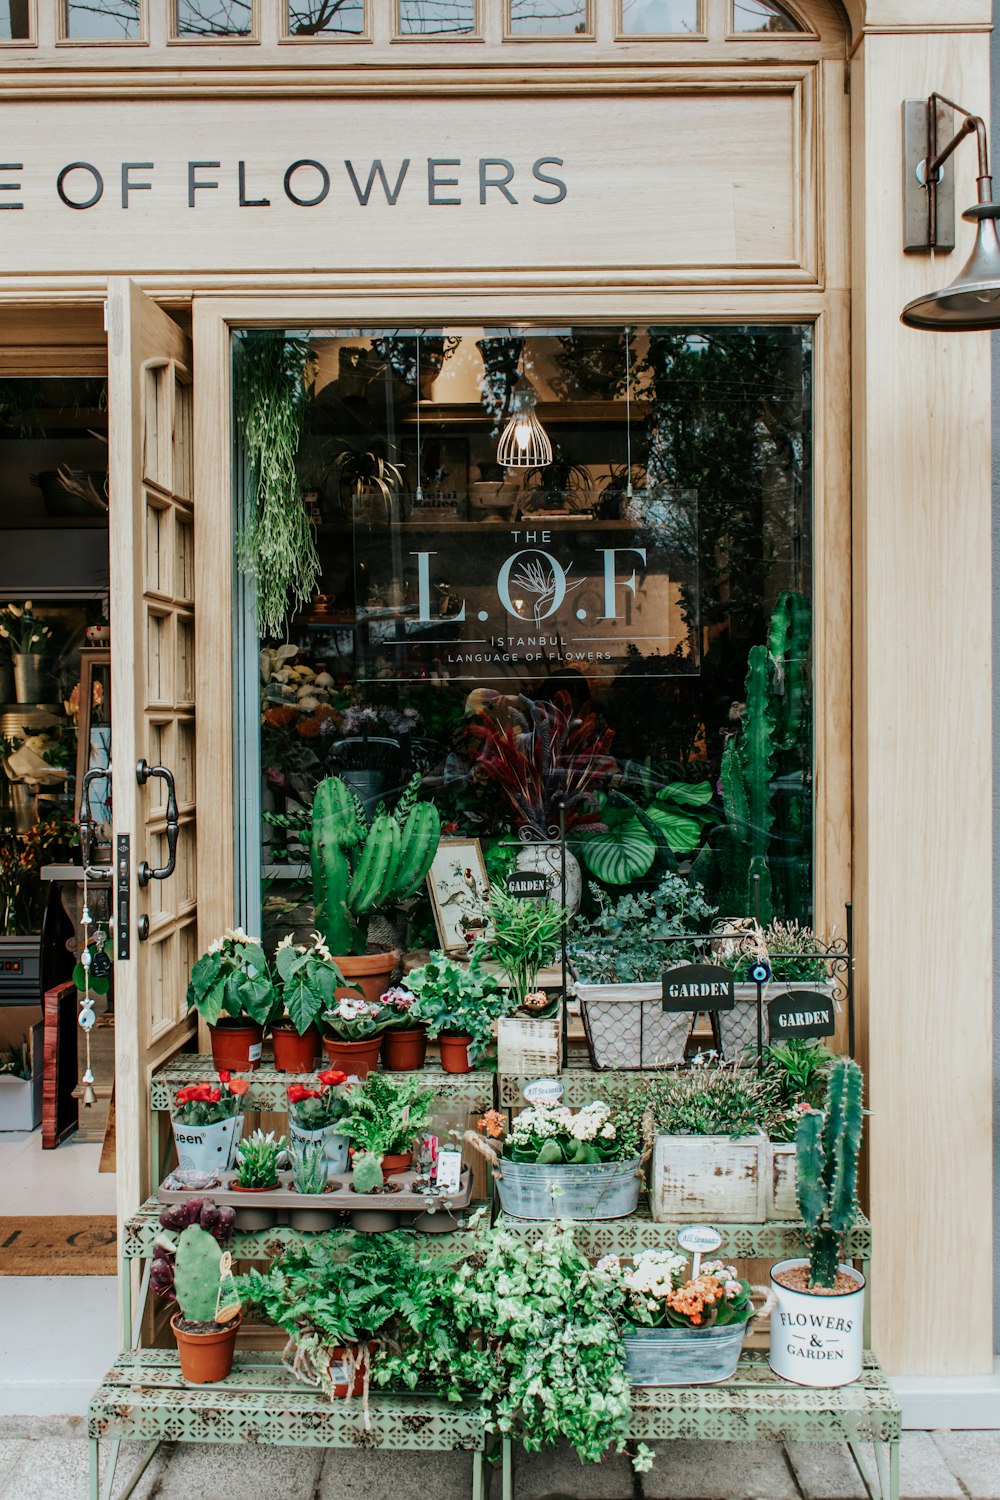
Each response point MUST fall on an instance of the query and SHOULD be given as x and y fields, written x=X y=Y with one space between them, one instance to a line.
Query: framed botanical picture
x=457 y=883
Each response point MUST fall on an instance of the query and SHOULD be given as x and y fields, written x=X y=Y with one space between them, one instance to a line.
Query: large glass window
x=548 y=17
x=102 y=20
x=659 y=17
x=636 y=596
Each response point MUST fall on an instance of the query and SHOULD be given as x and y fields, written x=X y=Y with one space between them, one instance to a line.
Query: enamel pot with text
x=817 y=1338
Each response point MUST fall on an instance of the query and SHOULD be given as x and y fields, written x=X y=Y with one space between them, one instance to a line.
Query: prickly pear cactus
x=196 y=1274
x=368 y=1176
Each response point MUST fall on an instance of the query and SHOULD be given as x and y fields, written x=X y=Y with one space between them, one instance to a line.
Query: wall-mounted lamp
x=524 y=443
x=972 y=302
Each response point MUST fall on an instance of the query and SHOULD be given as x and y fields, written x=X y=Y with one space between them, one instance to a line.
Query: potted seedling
x=817 y=1326
x=232 y=991
x=194 y=1271
x=257 y=1172
x=619 y=958
x=316 y=1115
x=207 y=1121
x=361 y=872
x=352 y=1037
x=523 y=937
x=710 y=1157
x=308 y=980
x=680 y=1328
x=559 y=1163
x=309 y=1177
x=404 y=1037
x=458 y=1004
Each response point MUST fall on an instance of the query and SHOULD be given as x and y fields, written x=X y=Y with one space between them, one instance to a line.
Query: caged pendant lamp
x=524 y=443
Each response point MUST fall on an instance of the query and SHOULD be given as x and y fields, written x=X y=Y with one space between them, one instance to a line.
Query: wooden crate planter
x=781 y=1201
x=711 y=1178
x=531 y=1048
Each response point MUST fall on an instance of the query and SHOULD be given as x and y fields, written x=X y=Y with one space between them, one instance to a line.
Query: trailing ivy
x=276 y=546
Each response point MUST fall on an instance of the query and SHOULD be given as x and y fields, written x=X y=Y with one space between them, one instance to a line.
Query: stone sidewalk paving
x=46 y=1459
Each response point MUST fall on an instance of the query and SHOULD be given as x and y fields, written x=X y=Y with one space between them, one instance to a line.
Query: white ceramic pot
x=547 y=860
x=336 y=1145
x=207 y=1148
x=817 y=1341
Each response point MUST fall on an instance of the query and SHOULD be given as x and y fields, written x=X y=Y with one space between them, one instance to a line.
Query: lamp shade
x=972 y=302
x=524 y=443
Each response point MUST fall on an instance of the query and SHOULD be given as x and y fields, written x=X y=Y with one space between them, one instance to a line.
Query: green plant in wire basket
x=623 y=943
x=524 y=937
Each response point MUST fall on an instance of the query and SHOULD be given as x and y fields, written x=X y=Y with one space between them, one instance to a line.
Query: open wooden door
x=152 y=656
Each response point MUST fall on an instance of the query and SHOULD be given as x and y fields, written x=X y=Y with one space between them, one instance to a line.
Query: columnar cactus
x=747 y=768
x=827 y=1145
x=197 y=1277
x=358 y=870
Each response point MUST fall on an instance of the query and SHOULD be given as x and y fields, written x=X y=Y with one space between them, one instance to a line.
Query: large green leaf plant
x=233 y=979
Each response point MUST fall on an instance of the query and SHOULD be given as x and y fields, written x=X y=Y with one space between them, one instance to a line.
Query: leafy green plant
x=668 y=820
x=15 y=1060
x=623 y=943
x=309 y=978
x=360 y=471
x=233 y=979
x=715 y=1101
x=524 y=937
x=352 y=1020
x=257 y=1160
x=800 y=1069
x=458 y=999
x=791 y=951
x=828 y=1143
x=385 y=1115
x=276 y=547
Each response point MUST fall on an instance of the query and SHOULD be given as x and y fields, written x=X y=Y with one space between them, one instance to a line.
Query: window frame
x=63 y=38
x=700 y=35
x=250 y=39
x=537 y=37
x=807 y=33
x=31 y=40
x=333 y=38
x=423 y=37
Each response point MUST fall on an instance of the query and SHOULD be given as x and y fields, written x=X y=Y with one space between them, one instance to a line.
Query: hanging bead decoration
x=87 y=1016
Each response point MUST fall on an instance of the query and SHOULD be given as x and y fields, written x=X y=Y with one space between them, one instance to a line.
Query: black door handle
x=86 y=819
x=145 y=873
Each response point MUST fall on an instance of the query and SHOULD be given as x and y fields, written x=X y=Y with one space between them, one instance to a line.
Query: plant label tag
x=801 y=1013
x=528 y=885
x=448 y=1177
x=698 y=987
x=543 y=1091
x=254 y=1051
x=227 y=1305
x=699 y=1240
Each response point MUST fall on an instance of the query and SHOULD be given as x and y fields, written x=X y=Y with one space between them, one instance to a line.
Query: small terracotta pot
x=371 y=971
x=236 y=1045
x=353 y=1057
x=455 y=1053
x=235 y=1187
x=404 y=1051
x=340 y=1387
x=294 y=1053
x=205 y=1357
x=401 y=1162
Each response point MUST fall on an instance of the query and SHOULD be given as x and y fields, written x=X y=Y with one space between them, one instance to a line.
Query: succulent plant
x=310 y=1167
x=197 y=1274
x=368 y=1176
x=257 y=1160
x=827 y=1146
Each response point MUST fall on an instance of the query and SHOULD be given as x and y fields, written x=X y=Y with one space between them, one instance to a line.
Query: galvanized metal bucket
x=683 y=1356
x=591 y=1190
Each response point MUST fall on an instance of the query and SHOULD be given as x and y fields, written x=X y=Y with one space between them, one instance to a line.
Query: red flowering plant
x=208 y=1103
x=316 y=1108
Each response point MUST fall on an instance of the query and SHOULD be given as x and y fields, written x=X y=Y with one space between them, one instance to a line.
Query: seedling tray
x=339 y=1198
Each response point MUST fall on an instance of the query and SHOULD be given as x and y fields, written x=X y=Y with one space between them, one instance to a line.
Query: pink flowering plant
x=399 y=1009
x=352 y=1020
x=550 y=1135
x=657 y=1291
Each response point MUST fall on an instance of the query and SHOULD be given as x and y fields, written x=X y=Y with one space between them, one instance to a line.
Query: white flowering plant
x=21 y=630
x=550 y=1135
x=352 y=1020
x=308 y=980
x=657 y=1291
x=233 y=978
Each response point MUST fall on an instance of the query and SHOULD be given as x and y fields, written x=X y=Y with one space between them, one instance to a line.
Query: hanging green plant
x=276 y=547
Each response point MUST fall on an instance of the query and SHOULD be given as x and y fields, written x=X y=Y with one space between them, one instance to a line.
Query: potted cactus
x=360 y=873
x=208 y=1318
x=817 y=1325
x=257 y=1172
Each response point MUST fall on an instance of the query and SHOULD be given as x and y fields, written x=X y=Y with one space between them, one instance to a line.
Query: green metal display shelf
x=581 y=1083
x=267 y=1085
x=144 y=1399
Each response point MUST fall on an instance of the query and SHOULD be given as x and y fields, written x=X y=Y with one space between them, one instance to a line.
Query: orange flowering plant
x=658 y=1293
x=208 y=1103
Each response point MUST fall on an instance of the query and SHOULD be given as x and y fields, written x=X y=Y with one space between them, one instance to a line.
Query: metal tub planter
x=682 y=1356
x=590 y=1190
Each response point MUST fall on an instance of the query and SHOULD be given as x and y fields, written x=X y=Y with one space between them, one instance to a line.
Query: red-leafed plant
x=556 y=758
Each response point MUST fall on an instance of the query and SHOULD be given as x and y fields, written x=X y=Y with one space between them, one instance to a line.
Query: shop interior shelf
x=267 y=1086
x=772 y=1240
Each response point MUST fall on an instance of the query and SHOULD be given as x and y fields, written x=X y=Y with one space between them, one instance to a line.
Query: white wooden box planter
x=21 y=1098
x=529 y=1049
x=627 y=1027
x=781 y=1201
x=714 y=1178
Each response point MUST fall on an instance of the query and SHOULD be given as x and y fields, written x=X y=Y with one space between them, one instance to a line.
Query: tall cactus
x=827 y=1145
x=197 y=1274
x=747 y=769
x=358 y=870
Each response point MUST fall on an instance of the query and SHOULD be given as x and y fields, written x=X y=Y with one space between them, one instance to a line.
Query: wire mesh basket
x=627 y=1027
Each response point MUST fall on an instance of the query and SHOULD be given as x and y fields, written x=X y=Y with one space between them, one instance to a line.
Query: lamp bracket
x=928 y=207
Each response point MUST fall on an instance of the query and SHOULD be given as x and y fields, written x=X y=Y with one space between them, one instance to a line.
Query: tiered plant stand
x=144 y=1399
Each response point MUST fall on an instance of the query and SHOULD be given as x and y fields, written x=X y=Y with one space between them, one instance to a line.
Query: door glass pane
x=102 y=20
x=326 y=17
x=15 y=20
x=762 y=15
x=207 y=18
x=651 y=581
x=660 y=17
x=548 y=17
x=437 y=17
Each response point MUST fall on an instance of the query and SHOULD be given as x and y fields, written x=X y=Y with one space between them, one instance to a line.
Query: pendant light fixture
x=972 y=302
x=524 y=443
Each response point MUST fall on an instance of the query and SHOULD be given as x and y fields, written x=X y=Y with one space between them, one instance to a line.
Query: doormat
x=48 y=1245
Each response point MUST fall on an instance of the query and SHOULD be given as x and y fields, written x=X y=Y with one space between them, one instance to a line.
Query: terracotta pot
x=272 y=1187
x=205 y=1357
x=401 y=1162
x=353 y=1057
x=294 y=1053
x=371 y=971
x=455 y=1053
x=404 y=1051
x=339 y=1356
x=236 y=1045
